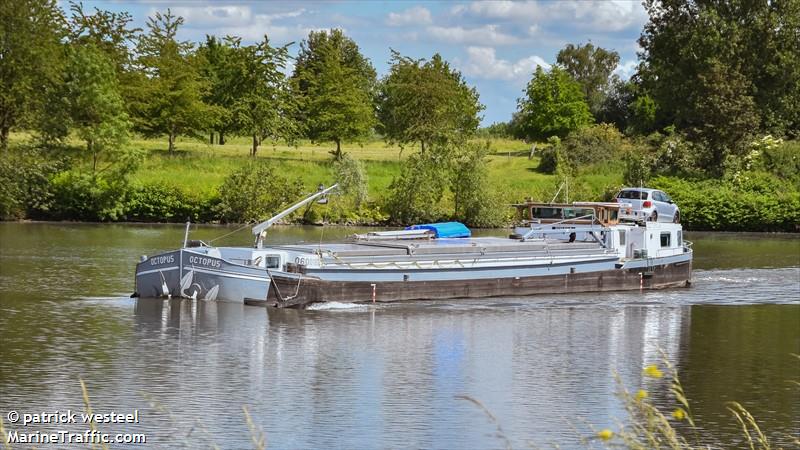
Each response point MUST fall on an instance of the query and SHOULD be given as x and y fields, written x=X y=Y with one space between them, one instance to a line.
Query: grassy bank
x=199 y=168
x=168 y=187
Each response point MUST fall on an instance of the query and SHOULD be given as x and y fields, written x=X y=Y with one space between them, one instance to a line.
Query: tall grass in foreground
x=649 y=426
x=4 y=435
x=88 y=405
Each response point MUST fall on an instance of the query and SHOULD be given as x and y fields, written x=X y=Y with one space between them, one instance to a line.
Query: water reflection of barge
x=581 y=247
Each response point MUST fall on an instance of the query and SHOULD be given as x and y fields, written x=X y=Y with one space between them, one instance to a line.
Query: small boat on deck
x=554 y=248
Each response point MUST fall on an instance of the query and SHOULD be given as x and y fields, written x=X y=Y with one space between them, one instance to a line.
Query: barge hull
x=297 y=290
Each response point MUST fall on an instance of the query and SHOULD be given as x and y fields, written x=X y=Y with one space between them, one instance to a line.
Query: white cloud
x=626 y=69
x=413 y=16
x=610 y=15
x=485 y=35
x=241 y=21
x=504 y=9
x=482 y=62
x=596 y=15
x=278 y=34
x=200 y=16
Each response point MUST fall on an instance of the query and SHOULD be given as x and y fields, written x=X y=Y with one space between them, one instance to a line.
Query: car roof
x=638 y=189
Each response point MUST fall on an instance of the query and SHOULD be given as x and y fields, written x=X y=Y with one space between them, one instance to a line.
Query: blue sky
x=495 y=44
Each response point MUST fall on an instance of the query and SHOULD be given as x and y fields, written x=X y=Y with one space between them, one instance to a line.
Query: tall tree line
x=93 y=75
x=717 y=73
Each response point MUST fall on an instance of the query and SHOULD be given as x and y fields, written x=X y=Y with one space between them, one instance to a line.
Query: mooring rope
x=246 y=224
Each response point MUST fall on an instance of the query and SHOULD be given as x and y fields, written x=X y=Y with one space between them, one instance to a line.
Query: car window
x=665 y=197
x=633 y=195
x=657 y=197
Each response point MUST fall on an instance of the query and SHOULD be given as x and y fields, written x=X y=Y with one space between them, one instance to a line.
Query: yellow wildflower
x=605 y=434
x=679 y=414
x=641 y=395
x=652 y=371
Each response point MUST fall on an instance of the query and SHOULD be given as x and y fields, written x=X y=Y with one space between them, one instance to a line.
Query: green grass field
x=199 y=167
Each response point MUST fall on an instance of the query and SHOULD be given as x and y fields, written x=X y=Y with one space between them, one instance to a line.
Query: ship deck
x=483 y=246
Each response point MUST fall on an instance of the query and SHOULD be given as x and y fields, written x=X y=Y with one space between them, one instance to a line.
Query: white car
x=644 y=204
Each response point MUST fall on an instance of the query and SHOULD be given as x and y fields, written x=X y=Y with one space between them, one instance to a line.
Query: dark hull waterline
x=299 y=291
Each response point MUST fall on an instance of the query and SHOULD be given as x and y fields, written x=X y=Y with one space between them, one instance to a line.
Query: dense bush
x=757 y=202
x=549 y=156
x=254 y=192
x=583 y=147
x=25 y=189
x=783 y=160
x=352 y=179
x=673 y=154
x=82 y=196
x=476 y=202
x=165 y=203
x=592 y=144
x=350 y=204
x=415 y=196
x=638 y=167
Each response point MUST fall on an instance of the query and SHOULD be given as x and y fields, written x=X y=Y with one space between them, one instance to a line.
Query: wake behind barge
x=579 y=247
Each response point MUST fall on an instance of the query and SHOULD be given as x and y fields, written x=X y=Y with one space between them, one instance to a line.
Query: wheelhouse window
x=680 y=238
x=273 y=262
x=572 y=213
x=546 y=213
x=665 y=238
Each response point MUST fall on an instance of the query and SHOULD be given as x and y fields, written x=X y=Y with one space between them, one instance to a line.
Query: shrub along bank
x=473 y=183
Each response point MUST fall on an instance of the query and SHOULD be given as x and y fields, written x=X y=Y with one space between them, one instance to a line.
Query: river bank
x=166 y=187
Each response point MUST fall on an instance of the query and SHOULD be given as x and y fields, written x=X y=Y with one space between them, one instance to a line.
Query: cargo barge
x=554 y=248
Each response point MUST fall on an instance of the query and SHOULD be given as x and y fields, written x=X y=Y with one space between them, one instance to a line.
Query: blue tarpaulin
x=444 y=229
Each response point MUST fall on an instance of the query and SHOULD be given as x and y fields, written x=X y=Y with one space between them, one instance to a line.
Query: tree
x=722 y=71
x=96 y=110
x=475 y=202
x=333 y=89
x=592 y=68
x=426 y=102
x=774 y=46
x=314 y=48
x=171 y=101
x=352 y=179
x=215 y=68
x=31 y=58
x=261 y=104
x=553 y=106
x=256 y=191
x=112 y=34
x=334 y=84
x=415 y=195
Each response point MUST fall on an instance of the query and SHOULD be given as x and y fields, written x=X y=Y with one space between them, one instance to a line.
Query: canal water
x=505 y=372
